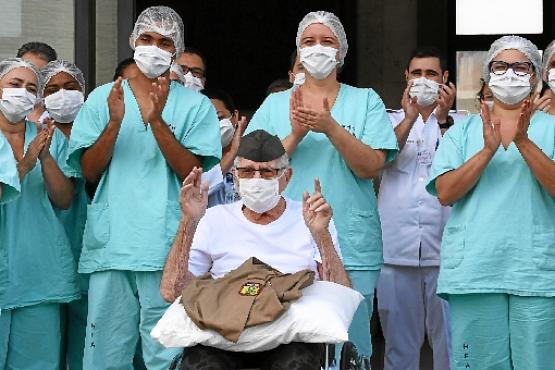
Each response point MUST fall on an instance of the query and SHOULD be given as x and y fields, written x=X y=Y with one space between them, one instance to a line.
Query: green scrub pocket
x=452 y=247
x=543 y=241
x=97 y=228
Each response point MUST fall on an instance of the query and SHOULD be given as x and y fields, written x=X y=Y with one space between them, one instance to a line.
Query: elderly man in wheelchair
x=287 y=235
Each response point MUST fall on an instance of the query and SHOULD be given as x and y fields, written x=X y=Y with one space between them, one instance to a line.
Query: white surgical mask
x=299 y=79
x=509 y=87
x=64 y=105
x=551 y=79
x=16 y=103
x=192 y=82
x=259 y=195
x=152 y=60
x=188 y=79
x=425 y=91
x=318 y=60
x=226 y=131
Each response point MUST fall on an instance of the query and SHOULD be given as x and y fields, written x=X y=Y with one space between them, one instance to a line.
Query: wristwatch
x=448 y=123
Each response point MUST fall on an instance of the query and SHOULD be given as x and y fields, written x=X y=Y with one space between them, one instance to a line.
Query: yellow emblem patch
x=250 y=289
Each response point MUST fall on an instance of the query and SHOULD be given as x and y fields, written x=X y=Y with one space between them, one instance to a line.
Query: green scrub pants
x=502 y=332
x=124 y=305
x=30 y=338
x=364 y=281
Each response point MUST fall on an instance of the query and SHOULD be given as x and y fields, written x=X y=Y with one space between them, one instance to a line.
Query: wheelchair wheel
x=176 y=363
x=350 y=359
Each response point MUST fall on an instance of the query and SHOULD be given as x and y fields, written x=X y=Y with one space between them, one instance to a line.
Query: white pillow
x=322 y=315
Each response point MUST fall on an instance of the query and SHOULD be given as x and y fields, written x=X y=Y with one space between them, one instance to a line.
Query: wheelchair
x=350 y=360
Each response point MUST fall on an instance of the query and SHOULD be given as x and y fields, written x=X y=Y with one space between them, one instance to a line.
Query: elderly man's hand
x=194 y=196
x=316 y=211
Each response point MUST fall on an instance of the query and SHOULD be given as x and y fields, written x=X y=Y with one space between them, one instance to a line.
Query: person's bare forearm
x=227 y=159
x=60 y=189
x=453 y=185
x=96 y=158
x=542 y=167
x=291 y=142
x=179 y=158
x=176 y=273
x=332 y=267
x=402 y=132
x=364 y=161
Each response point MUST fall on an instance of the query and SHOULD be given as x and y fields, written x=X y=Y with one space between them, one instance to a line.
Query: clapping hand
x=295 y=102
x=523 y=121
x=158 y=96
x=116 y=104
x=491 y=130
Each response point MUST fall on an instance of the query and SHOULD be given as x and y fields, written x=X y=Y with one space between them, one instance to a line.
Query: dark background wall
x=248 y=43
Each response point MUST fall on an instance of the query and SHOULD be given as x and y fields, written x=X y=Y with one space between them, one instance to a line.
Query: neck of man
x=426 y=112
x=144 y=83
x=266 y=217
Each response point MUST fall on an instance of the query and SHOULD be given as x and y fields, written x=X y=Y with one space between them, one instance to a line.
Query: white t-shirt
x=225 y=239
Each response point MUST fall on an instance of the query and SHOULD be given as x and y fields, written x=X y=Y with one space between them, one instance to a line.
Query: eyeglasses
x=195 y=71
x=499 y=67
x=265 y=173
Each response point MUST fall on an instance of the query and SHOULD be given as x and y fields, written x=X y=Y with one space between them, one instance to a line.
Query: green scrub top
x=74 y=219
x=500 y=237
x=133 y=218
x=362 y=113
x=9 y=177
x=34 y=249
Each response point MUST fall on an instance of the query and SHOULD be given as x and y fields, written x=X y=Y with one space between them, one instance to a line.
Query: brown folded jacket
x=252 y=294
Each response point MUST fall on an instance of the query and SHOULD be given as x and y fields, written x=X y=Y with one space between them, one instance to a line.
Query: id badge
x=424 y=157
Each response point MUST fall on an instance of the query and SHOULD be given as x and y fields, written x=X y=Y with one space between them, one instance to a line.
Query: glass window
x=49 y=21
x=469 y=71
x=106 y=40
x=497 y=17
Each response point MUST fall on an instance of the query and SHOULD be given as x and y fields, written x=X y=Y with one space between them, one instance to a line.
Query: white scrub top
x=412 y=219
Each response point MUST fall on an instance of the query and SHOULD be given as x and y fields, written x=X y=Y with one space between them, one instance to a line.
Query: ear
x=445 y=76
x=406 y=75
x=287 y=176
x=235 y=118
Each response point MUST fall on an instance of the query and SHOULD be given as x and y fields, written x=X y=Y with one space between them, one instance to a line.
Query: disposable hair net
x=547 y=54
x=163 y=20
x=521 y=44
x=56 y=66
x=10 y=64
x=332 y=22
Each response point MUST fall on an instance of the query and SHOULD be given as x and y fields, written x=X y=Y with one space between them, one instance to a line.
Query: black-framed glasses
x=265 y=173
x=499 y=67
x=195 y=71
